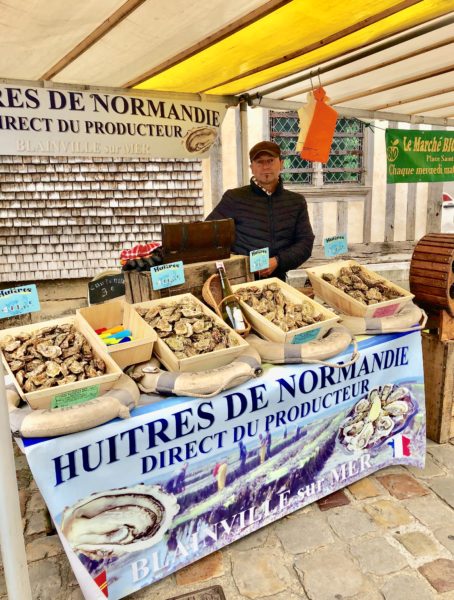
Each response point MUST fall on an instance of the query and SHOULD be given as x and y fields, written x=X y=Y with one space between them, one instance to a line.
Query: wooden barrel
x=432 y=272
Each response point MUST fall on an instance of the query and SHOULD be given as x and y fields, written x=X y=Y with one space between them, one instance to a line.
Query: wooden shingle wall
x=69 y=218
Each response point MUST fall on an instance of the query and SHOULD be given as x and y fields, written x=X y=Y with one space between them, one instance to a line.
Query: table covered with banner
x=134 y=500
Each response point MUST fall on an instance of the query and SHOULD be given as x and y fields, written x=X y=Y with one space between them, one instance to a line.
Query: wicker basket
x=212 y=294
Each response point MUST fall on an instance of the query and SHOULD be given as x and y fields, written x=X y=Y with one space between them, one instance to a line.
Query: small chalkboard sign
x=106 y=288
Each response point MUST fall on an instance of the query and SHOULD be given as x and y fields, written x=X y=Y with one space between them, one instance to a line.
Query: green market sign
x=414 y=156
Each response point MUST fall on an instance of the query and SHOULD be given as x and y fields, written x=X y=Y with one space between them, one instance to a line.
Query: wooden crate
x=209 y=360
x=348 y=305
x=438 y=357
x=116 y=313
x=43 y=398
x=138 y=284
x=272 y=332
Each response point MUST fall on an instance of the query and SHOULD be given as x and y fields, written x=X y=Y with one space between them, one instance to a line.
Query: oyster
x=357 y=283
x=270 y=302
x=199 y=139
x=48 y=351
x=373 y=419
x=50 y=356
x=187 y=329
x=118 y=521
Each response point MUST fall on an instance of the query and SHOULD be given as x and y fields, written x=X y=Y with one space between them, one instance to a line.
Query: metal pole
x=244 y=143
x=359 y=113
x=11 y=532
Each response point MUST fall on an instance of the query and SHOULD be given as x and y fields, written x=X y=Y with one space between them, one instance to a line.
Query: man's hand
x=272 y=267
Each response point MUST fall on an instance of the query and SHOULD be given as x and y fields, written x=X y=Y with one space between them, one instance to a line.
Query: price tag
x=259 y=259
x=106 y=288
x=165 y=276
x=306 y=336
x=19 y=301
x=75 y=397
x=335 y=245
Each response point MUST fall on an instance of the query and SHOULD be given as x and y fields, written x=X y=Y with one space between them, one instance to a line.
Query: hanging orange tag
x=317 y=126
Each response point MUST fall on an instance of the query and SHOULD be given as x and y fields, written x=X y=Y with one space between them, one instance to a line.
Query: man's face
x=266 y=169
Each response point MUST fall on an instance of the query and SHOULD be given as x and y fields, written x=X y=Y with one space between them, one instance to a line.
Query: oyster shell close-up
x=118 y=521
x=200 y=139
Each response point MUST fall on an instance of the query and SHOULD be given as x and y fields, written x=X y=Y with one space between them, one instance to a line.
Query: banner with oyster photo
x=137 y=499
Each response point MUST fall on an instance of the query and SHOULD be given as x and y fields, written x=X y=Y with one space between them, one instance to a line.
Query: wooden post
x=439 y=386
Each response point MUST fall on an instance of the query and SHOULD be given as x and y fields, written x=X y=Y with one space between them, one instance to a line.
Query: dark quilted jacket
x=279 y=222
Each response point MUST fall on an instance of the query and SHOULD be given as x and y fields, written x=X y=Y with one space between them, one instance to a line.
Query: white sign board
x=72 y=122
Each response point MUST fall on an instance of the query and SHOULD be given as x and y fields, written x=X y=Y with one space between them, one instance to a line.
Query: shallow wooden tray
x=115 y=313
x=348 y=305
x=209 y=360
x=272 y=332
x=44 y=398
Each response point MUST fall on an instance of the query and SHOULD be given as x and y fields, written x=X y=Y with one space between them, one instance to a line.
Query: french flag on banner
x=400 y=445
x=101 y=581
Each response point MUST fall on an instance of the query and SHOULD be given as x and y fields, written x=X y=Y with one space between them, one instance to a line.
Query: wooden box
x=345 y=303
x=138 y=284
x=272 y=332
x=98 y=385
x=198 y=241
x=438 y=357
x=209 y=360
x=116 y=313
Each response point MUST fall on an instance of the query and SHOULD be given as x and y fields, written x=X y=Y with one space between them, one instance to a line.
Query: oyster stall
x=137 y=498
x=154 y=471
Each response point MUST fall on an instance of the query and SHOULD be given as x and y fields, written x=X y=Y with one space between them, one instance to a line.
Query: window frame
x=319 y=171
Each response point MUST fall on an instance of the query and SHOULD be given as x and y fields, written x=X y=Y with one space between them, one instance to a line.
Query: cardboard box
x=116 y=313
x=273 y=332
x=201 y=362
x=348 y=305
x=69 y=392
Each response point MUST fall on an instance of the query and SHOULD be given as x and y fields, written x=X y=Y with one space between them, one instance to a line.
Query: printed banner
x=71 y=122
x=414 y=156
x=135 y=500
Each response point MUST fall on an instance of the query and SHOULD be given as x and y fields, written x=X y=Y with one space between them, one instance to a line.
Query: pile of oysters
x=271 y=303
x=356 y=282
x=187 y=329
x=51 y=356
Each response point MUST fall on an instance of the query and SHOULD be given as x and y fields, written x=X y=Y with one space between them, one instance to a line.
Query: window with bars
x=345 y=164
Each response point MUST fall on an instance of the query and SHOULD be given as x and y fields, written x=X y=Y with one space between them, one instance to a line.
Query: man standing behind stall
x=267 y=215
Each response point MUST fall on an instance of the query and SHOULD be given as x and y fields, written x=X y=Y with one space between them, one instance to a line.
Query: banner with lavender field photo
x=135 y=500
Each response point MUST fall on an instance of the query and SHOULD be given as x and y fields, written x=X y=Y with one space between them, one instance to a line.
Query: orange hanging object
x=317 y=126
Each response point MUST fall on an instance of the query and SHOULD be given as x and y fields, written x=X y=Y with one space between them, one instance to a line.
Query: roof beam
x=124 y=11
x=369 y=50
x=435 y=107
x=229 y=100
x=394 y=85
x=416 y=98
x=210 y=40
x=381 y=65
x=358 y=113
x=324 y=42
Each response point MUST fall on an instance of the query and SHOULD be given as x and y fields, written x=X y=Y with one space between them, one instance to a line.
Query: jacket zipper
x=272 y=229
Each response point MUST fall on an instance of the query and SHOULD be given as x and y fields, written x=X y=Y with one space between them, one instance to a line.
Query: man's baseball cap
x=268 y=147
